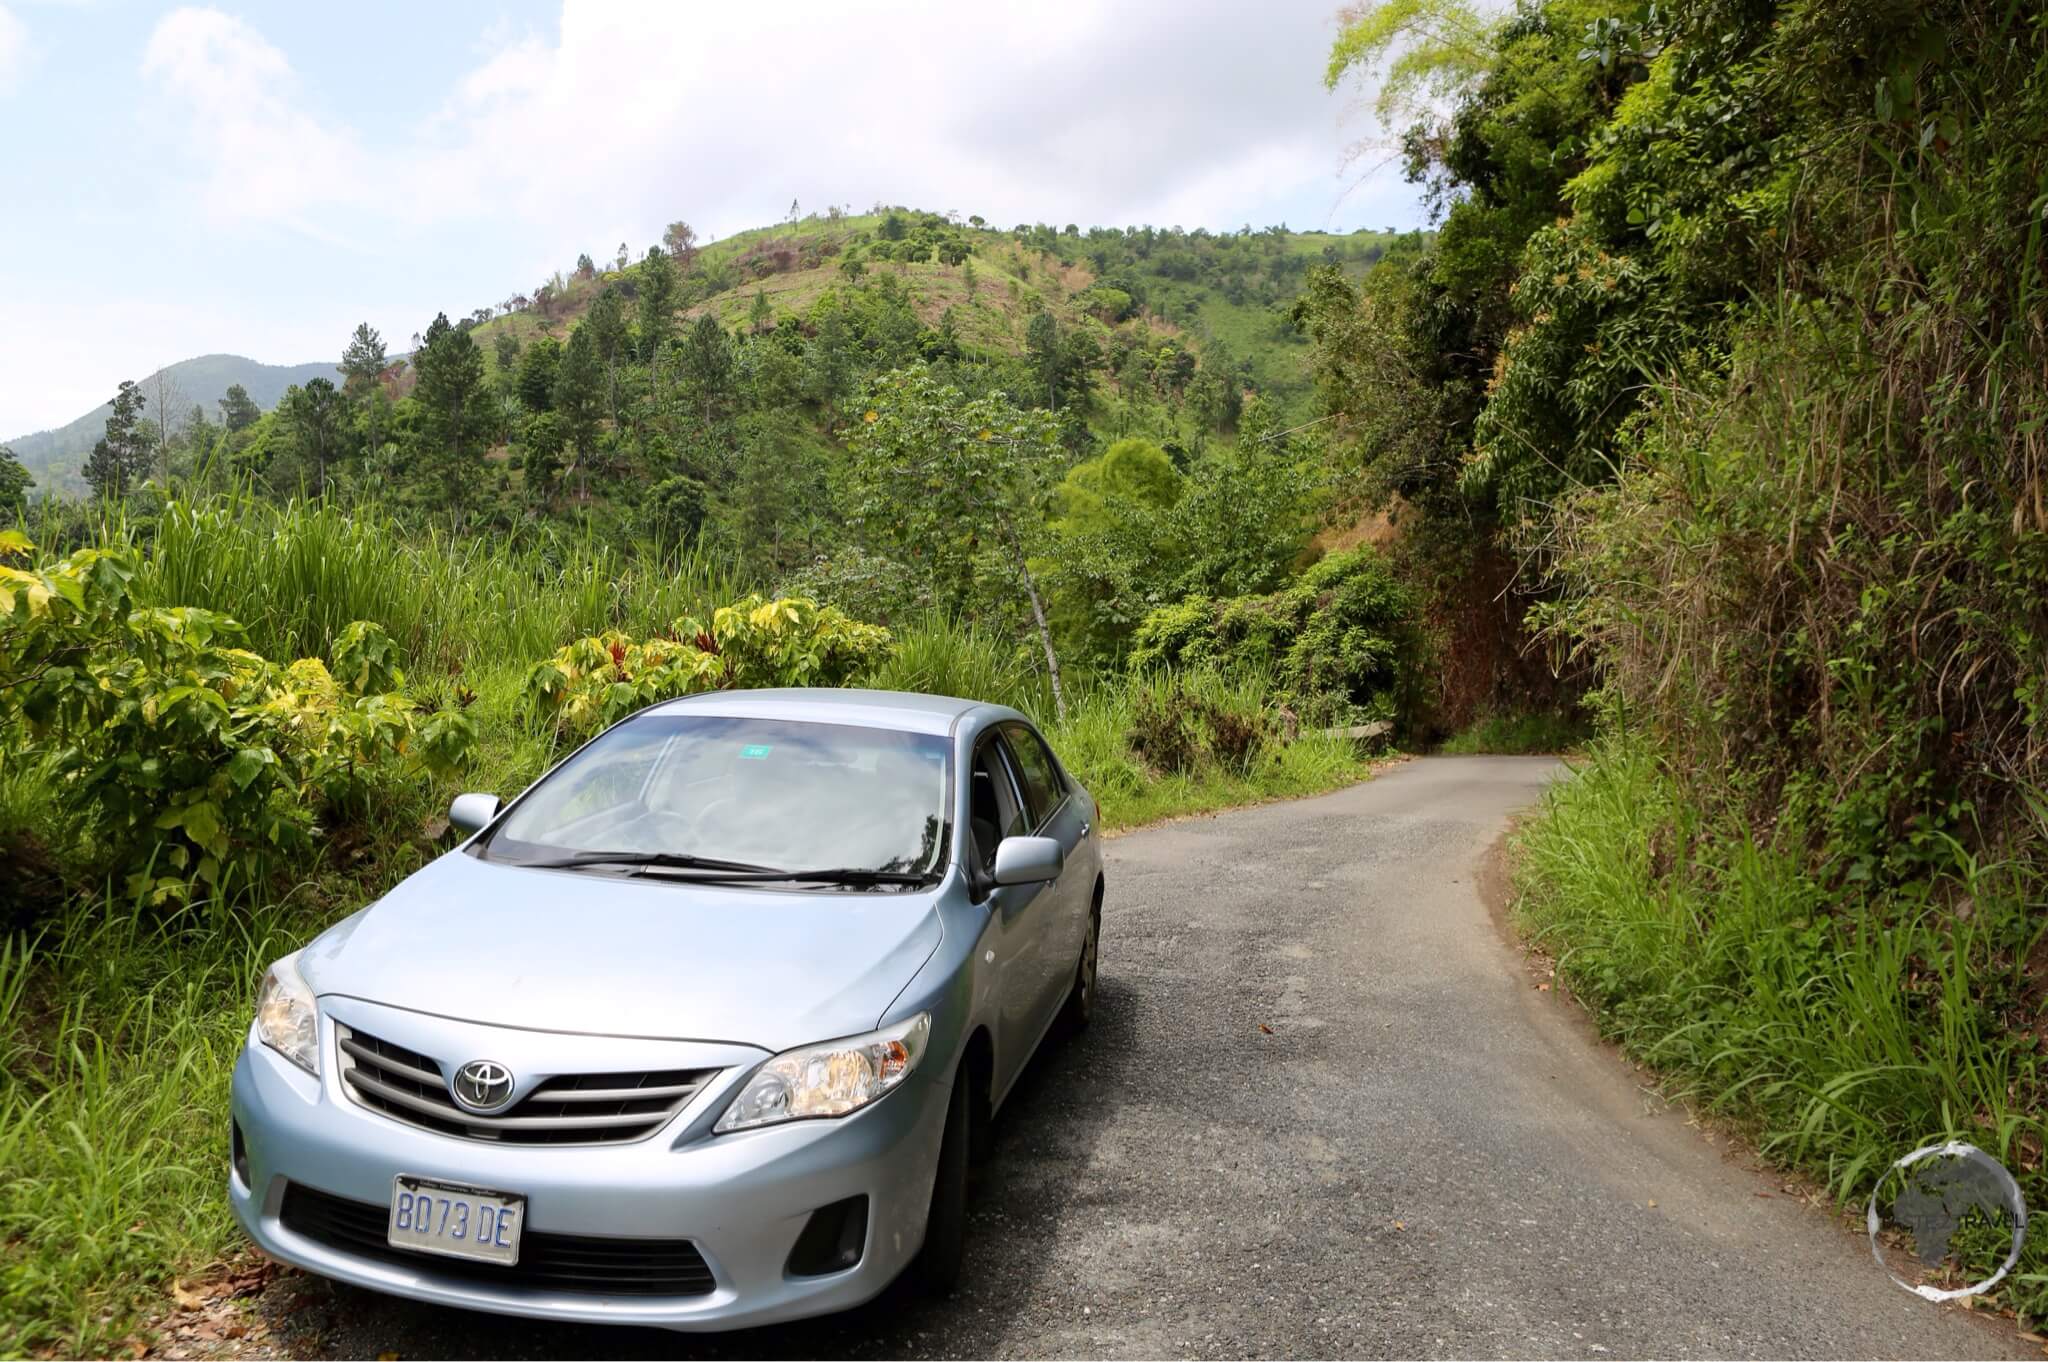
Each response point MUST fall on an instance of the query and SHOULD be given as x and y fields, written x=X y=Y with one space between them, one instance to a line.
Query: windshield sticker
x=756 y=751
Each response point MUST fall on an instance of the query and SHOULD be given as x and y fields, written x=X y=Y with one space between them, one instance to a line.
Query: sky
x=258 y=178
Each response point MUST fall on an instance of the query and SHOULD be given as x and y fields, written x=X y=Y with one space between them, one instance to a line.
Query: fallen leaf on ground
x=1653 y=1205
x=1267 y=1029
x=186 y=1299
x=1543 y=988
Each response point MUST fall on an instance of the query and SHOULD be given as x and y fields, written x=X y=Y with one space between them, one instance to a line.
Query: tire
x=945 y=1226
x=1080 y=1004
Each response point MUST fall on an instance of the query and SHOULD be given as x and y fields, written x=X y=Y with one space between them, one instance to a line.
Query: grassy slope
x=1007 y=274
x=1841 y=1028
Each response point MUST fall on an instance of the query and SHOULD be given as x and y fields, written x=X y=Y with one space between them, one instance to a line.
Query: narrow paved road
x=1324 y=1112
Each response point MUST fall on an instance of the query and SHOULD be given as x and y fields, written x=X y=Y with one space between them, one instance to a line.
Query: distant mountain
x=54 y=456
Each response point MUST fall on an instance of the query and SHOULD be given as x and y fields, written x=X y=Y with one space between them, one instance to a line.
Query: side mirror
x=1028 y=860
x=471 y=813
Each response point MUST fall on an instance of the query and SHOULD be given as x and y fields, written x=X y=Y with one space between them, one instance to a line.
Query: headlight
x=829 y=1079
x=286 y=1018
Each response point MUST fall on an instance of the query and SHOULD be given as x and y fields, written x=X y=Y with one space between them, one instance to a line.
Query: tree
x=579 y=382
x=976 y=221
x=675 y=512
x=1042 y=344
x=681 y=240
x=586 y=268
x=657 y=303
x=538 y=370
x=761 y=315
x=238 y=411
x=363 y=363
x=121 y=458
x=967 y=278
x=853 y=267
x=316 y=415
x=167 y=398
x=606 y=323
x=1445 y=47
x=931 y=470
x=454 y=418
x=14 y=484
x=540 y=440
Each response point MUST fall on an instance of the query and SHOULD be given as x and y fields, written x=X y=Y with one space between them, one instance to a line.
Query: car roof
x=902 y=710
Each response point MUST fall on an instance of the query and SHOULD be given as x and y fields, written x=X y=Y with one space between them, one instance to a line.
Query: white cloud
x=1194 y=111
x=13 y=50
x=242 y=100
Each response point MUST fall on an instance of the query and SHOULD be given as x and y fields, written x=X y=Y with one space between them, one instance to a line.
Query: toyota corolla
x=699 y=1031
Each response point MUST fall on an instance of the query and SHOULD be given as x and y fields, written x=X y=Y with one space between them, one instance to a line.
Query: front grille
x=561 y=1262
x=609 y=1108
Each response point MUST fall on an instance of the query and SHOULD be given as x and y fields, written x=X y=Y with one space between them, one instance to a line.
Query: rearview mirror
x=472 y=813
x=1028 y=860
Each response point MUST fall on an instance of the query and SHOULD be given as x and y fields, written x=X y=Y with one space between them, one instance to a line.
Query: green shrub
x=1337 y=640
x=1181 y=723
x=200 y=763
x=595 y=682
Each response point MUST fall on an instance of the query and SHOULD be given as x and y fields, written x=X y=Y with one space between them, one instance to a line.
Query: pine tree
x=120 y=460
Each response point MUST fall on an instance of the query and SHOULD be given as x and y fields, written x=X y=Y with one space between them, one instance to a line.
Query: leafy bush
x=597 y=681
x=1180 y=724
x=1338 y=639
x=200 y=762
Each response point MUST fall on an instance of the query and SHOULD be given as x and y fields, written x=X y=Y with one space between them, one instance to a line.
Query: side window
x=1043 y=788
x=993 y=810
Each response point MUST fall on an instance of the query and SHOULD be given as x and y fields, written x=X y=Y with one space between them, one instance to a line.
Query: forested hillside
x=1733 y=333
x=194 y=391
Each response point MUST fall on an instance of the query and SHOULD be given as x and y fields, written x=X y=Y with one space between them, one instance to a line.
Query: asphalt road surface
x=1324 y=1111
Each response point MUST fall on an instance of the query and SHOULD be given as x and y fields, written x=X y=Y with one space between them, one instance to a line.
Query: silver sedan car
x=699 y=1032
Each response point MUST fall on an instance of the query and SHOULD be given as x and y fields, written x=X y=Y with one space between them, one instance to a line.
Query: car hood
x=604 y=955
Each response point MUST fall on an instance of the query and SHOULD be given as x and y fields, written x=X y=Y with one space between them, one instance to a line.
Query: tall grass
x=295 y=574
x=1845 y=1028
x=118 y=1033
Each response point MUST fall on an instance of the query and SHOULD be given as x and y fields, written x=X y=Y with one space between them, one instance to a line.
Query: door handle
x=1084 y=829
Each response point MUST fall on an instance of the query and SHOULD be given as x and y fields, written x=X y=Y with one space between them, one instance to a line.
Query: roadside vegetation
x=191 y=790
x=1731 y=335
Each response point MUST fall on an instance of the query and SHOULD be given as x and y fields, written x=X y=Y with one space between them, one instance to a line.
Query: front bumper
x=743 y=1199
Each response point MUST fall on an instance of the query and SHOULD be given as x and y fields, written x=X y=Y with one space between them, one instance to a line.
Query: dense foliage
x=595 y=682
x=1733 y=329
x=197 y=764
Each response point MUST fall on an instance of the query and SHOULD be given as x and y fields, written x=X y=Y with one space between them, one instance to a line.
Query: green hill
x=1229 y=294
x=54 y=456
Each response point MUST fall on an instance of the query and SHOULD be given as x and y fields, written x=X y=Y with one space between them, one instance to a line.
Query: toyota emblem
x=483 y=1085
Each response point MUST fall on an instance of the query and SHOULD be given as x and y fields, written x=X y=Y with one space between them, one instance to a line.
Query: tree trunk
x=1052 y=662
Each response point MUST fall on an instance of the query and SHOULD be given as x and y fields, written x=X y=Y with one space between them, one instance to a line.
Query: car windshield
x=760 y=792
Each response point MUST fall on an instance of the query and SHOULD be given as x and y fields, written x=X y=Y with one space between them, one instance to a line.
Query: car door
x=1052 y=813
x=1018 y=913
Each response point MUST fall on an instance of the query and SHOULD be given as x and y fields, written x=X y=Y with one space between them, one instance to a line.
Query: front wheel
x=945 y=1228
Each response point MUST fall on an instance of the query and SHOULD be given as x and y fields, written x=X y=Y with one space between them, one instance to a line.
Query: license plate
x=461 y=1222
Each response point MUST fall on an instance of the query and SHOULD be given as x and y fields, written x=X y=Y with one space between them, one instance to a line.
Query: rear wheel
x=1080 y=1006
x=945 y=1228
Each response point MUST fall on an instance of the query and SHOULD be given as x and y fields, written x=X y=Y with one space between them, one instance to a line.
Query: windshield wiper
x=848 y=875
x=662 y=860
